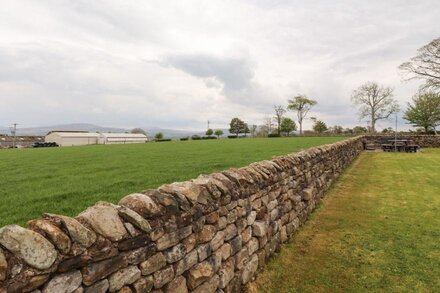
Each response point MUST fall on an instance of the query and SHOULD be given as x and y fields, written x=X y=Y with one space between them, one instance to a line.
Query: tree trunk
x=300 y=128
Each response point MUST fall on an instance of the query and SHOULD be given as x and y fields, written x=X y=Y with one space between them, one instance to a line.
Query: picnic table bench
x=401 y=145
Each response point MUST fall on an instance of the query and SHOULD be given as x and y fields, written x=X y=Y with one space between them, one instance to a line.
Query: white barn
x=75 y=138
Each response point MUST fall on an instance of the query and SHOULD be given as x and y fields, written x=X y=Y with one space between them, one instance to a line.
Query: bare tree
x=279 y=113
x=375 y=102
x=302 y=105
x=425 y=66
x=267 y=122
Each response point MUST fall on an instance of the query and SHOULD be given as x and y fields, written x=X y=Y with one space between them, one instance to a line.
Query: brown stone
x=226 y=272
x=64 y=283
x=206 y=234
x=76 y=230
x=225 y=250
x=105 y=220
x=212 y=218
x=100 y=270
x=204 y=251
x=98 y=287
x=144 y=285
x=186 y=263
x=123 y=277
x=199 y=274
x=52 y=232
x=218 y=240
x=33 y=248
x=162 y=277
x=191 y=191
x=246 y=234
x=142 y=204
x=209 y=286
x=230 y=232
x=133 y=243
x=178 y=285
x=175 y=253
x=134 y=218
x=253 y=245
x=74 y=263
x=259 y=229
x=139 y=255
x=190 y=242
x=3 y=266
x=236 y=245
x=153 y=264
x=125 y=289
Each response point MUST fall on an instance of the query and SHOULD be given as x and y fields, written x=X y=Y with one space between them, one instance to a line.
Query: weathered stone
x=76 y=230
x=212 y=218
x=199 y=274
x=154 y=263
x=259 y=229
x=250 y=269
x=175 y=253
x=142 y=204
x=307 y=194
x=190 y=242
x=33 y=248
x=100 y=270
x=74 y=263
x=178 y=285
x=253 y=245
x=204 y=251
x=230 y=232
x=242 y=258
x=206 y=234
x=131 y=229
x=98 y=287
x=144 y=285
x=170 y=239
x=163 y=277
x=30 y=284
x=225 y=250
x=236 y=244
x=187 y=262
x=139 y=255
x=226 y=272
x=209 y=286
x=134 y=218
x=133 y=243
x=52 y=232
x=3 y=266
x=246 y=234
x=64 y=283
x=79 y=290
x=123 y=277
x=105 y=220
x=125 y=289
x=191 y=191
x=218 y=240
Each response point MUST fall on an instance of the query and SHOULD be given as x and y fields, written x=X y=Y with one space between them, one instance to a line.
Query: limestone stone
x=131 y=229
x=204 y=251
x=246 y=234
x=178 y=285
x=226 y=272
x=144 y=285
x=133 y=243
x=250 y=269
x=186 y=263
x=75 y=262
x=125 y=289
x=218 y=240
x=236 y=245
x=307 y=194
x=139 y=255
x=3 y=266
x=175 y=253
x=242 y=258
x=253 y=245
x=170 y=239
x=105 y=220
x=209 y=286
x=33 y=248
x=212 y=218
x=163 y=277
x=142 y=204
x=98 y=287
x=134 y=218
x=199 y=274
x=230 y=232
x=225 y=250
x=190 y=242
x=191 y=191
x=123 y=277
x=221 y=223
x=206 y=234
x=64 y=283
x=52 y=232
x=153 y=264
x=99 y=270
x=76 y=230
x=259 y=228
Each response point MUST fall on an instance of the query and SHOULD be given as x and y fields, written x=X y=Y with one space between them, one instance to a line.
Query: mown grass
x=67 y=180
x=378 y=230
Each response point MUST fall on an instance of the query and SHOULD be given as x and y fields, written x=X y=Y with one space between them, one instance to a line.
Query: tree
x=253 y=130
x=302 y=105
x=287 y=125
x=138 y=130
x=209 y=132
x=246 y=129
x=424 y=111
x=319 y=126
x=375 y=102
x=279 y=113
x=337 y=129
x=359 y=130
x=158 y=135
x=218 y=133
x=267 y=125
x=237 y=126
x=425 y=66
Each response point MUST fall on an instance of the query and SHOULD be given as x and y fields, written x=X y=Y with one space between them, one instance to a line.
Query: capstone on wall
x=210 y=234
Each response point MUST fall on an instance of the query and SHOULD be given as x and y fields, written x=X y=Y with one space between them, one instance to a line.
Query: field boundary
x=213 y=232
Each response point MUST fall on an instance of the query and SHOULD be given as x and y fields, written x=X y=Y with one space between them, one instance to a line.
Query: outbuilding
x=76 y=138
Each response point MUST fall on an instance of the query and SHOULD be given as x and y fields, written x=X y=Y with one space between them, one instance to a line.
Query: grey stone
x=98 y=287
x=226 y=272
x=163 y=277
x=259 y=228
x=178 y=285
x=218 y=240
x=153 y=264
x=204 y=251
x=134 y=218
x=209 y=286
x=142 y=204
x=3 y=266
x=64 y=283
x=199 y=274
x=144 y=285
x=33 y=248
x=175 y=253
x=123 y=277
x=186 y=263
x=250 y=269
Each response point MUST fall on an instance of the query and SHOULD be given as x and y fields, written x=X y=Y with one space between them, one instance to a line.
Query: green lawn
x=67 y=180
x=377 y=230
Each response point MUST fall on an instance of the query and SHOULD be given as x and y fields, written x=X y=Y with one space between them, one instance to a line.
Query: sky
x=177 y=64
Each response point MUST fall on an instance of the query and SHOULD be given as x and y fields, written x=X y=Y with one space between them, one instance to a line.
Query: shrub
x=232 y=136
x=195 y=137
x=209 y=137
x=273 y=135
x=184 y=138
x=163 y=139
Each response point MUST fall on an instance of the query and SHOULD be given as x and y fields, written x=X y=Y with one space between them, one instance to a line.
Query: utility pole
x=14 y=131
x=395 y=137
x=208 y=124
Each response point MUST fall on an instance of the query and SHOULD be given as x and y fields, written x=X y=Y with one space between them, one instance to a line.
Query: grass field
x=67 y=180
x=377 y=230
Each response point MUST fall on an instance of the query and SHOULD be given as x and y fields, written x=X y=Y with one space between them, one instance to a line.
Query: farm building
x=75 y=138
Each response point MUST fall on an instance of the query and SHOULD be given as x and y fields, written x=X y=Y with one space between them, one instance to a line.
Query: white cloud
x=178 y=63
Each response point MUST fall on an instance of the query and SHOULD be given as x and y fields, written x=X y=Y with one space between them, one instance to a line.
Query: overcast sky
x=176 y=64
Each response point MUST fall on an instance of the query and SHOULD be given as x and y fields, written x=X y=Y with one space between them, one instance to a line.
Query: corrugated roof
x=105 y=135
x=124 y=135
x=76 y=134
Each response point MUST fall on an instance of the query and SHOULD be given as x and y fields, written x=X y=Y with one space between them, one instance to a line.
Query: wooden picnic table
x=401 y=145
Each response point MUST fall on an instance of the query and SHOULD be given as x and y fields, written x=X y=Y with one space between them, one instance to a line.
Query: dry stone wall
x=210 y=234
x=424 y=141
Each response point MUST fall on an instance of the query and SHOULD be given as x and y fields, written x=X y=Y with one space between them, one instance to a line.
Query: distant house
x=75 y=138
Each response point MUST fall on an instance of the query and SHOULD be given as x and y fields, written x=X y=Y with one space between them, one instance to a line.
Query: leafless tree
x=375 y=102
x=425 y=66
x=279 y=113
x=267 y=122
